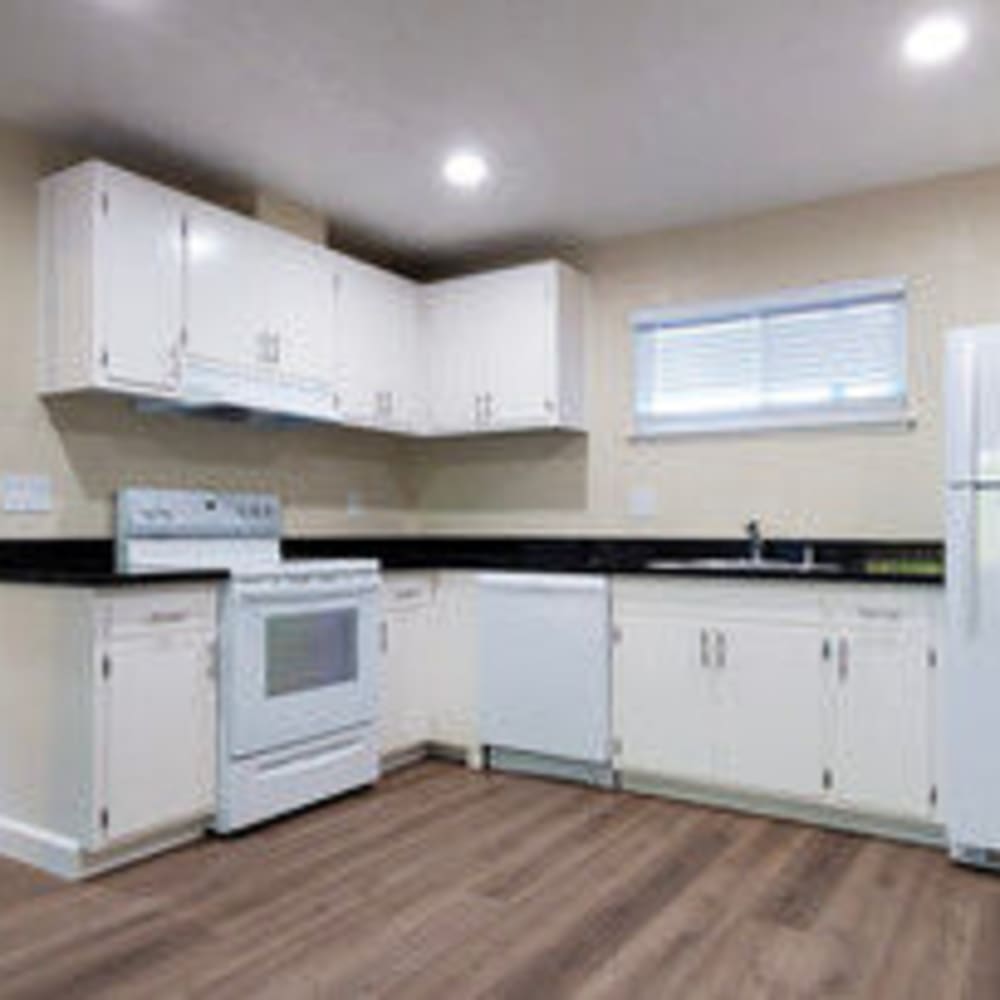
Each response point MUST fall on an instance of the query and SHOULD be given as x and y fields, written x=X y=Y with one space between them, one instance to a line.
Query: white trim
x=831 y=293
x=898 y=419
x=40 y=848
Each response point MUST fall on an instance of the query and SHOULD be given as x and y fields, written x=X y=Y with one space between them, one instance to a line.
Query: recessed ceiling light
x=465 y=169
x=936 y=40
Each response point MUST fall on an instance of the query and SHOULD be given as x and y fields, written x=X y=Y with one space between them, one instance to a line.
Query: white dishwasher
x=545 y=674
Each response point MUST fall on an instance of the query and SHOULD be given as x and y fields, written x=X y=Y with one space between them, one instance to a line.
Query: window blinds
x=827 y=356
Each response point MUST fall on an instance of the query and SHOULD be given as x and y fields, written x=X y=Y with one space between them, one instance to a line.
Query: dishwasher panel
x=545 y=665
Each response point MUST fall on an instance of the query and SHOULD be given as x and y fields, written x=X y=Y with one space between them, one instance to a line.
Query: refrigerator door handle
x=967 y=555
x=973 y=413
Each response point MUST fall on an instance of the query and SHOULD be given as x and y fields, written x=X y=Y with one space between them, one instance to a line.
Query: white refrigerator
x=971 y=789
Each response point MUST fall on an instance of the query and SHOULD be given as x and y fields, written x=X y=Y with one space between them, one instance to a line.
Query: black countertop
x=75 y=562
x=90 y=562
x=868 y=561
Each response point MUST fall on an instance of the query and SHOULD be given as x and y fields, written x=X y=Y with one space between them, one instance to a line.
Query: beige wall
x=944 y=236
x=91 y=447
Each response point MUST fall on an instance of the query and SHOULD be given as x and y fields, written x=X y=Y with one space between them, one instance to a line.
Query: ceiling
x=600 y=117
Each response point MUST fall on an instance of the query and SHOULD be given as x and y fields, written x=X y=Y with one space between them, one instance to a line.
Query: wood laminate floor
x=446 y=883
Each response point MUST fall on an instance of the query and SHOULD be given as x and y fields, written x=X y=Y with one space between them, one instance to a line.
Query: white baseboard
x=68 y=859
x=901 y=828
x=32 y=845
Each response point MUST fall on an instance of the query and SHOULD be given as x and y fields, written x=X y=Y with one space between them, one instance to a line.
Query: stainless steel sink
x=745 y=565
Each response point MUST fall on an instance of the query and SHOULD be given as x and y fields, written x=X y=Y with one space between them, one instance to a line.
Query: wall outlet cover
x=643 y=502
x=26 y=493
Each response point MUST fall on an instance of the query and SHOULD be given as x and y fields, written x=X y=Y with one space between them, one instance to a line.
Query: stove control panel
x=155 y=513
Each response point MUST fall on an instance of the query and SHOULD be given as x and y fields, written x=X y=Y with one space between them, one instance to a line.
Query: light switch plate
x=355 y=503
x=26 y=493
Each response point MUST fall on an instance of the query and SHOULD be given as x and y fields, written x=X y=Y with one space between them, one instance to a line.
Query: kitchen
x=568 y=498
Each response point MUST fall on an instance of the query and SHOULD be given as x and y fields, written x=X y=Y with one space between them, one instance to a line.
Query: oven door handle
x=303 y=598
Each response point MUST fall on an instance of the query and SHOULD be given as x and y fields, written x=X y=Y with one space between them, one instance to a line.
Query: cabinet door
x=664 y=697
x=403 y=705
x=451 y=666
x=772 y=706
x=379 y=379
x=228 y=289
x=516 y=317
x=455 y=373
x=159 y=733
x=883 y=751
x=302 y=285
x=406 y=385
x=140 y=275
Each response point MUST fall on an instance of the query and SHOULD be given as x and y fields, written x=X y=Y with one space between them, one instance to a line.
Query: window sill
x=896 y=420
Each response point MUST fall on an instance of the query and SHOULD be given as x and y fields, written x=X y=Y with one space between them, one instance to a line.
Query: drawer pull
x=167 y=617
x=881 y=614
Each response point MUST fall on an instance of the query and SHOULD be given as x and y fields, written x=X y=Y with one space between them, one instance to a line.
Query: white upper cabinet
x=261 y=307
x=112 y=313
x=227 y=289
x=505 y=350
x=379 y=382
x=302 y=284
x=152 y=292
x=453 y=359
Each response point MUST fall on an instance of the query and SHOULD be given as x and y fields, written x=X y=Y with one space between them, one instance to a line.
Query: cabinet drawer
x=400 y=592
x=172 y=608
x=886 y=606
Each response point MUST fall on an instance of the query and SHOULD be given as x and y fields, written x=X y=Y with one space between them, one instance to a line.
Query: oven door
x=296 y=665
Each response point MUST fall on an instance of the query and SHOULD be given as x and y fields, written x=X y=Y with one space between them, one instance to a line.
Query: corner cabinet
x=109 y=722
x=429 y=666
x=822 y=695
x=379 y=365
x=505 y=350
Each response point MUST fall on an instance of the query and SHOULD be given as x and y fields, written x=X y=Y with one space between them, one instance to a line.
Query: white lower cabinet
x=885 y=708
x=109 y=737
x=770 y=707
x=407 y=650
x=158 y=730
x=661 y=662
x=428 y=671
x=798 y=691
x=452 y=689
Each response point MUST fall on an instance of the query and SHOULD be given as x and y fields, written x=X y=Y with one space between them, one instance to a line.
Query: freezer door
x=973 y=401
x=971 y=692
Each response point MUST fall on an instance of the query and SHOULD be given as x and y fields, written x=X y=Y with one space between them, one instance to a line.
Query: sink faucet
x=755 y=541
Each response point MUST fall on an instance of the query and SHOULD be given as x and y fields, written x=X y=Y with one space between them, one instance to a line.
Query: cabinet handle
x=843 y=660
x=277 y=348
x=167 y=617
x=705 y=654
x=720 y=650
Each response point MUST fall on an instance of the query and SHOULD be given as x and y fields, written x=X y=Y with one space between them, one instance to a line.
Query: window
x=819 y=357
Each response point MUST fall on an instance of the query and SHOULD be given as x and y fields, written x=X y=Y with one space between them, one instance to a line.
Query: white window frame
x=895 y=413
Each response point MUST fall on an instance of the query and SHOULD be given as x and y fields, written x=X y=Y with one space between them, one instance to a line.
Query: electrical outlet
x=355 y=504
x=25 y=493
x=642 y=502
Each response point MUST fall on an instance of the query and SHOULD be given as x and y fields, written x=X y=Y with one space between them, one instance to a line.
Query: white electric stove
x=298 y=653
